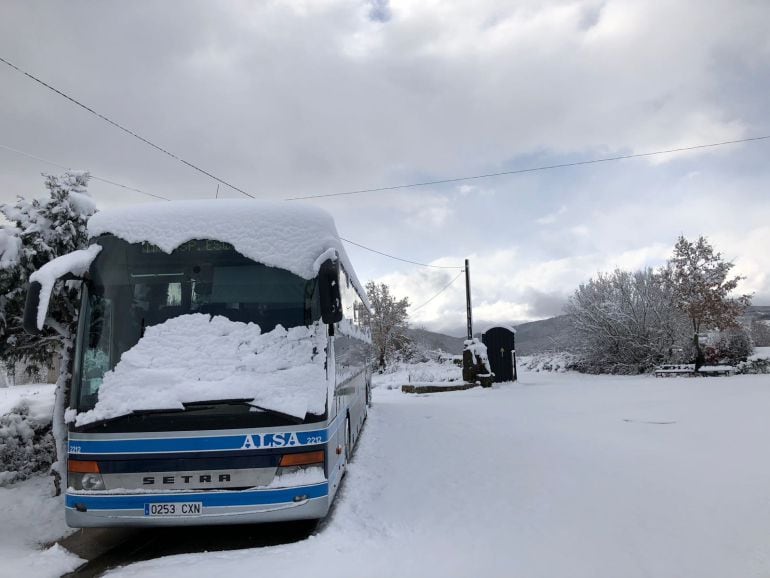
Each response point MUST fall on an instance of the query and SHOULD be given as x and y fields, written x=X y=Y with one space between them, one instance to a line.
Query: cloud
x=552 y=217
x=295 y=98
x=379 y=10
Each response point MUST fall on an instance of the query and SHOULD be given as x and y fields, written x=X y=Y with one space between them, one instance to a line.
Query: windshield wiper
x=136 y=413
x=189 y=407
x=247 y=402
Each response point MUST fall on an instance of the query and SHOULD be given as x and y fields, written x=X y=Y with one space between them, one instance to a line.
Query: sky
x=286 y=99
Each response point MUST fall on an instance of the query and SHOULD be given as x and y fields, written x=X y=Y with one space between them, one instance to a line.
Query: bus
x=222 y=364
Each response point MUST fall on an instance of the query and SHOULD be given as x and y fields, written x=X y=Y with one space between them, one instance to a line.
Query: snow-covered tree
x=388 y=323
x=698 y=279
x=626 y=322
x=38 y=231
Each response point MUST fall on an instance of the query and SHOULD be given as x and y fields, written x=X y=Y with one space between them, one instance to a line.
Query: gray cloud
x=379 y=10
x=297 y=98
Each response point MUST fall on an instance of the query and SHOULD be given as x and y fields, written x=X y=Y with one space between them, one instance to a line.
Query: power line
x=96 y=178
x=440 y=292
x=129 y=188
x=124 y=129
x=398 y=258
x=532 y=169
x=102 y=179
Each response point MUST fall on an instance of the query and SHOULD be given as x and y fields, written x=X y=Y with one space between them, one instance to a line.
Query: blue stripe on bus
x=276 y=440
x=208 y=499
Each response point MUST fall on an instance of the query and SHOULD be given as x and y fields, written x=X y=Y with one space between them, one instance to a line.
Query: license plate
x=173 y=509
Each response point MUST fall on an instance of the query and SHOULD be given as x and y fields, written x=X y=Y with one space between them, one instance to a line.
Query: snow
x=479 y=351
x=760 y=353
x=83 y=203
x=197 y=357
x=76 y=262
x=560 y=474
x=31 y=517
x=291 y=236
x=39 y=397
x=423 y=373
x=10 y=246
x=31 y=520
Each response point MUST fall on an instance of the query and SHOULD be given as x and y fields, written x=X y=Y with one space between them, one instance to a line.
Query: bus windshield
x=134 y=286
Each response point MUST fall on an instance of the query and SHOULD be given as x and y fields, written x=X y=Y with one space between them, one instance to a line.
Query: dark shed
x=501 y=350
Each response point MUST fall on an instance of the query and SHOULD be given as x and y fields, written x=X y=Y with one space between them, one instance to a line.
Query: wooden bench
x=716 y=370
x=670 y=370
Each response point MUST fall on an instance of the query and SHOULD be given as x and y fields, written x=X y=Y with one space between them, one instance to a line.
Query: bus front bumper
x=97 y=510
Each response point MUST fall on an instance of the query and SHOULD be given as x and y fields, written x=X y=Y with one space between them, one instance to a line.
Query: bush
x=754 y=366
x=558 y=362
x=731 y=348
x=26 y=446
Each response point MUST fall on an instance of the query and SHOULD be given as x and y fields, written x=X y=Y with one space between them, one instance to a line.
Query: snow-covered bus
x=221 y=369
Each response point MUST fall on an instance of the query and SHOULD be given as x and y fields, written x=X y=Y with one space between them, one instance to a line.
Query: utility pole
x=468 y=298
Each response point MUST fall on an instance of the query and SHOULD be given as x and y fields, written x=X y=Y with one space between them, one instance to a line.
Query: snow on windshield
x=200 y=358
x=291 y=236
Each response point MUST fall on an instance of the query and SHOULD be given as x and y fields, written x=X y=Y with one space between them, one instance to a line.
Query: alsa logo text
x=270 y=440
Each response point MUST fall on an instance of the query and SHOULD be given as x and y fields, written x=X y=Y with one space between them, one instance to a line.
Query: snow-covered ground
x=558 y=475
x=30 y=518
x=38 y=396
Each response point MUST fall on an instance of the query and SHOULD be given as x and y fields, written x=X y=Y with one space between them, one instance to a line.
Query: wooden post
x=468 y=298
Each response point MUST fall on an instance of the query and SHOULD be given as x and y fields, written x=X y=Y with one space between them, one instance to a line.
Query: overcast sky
x=319 y=96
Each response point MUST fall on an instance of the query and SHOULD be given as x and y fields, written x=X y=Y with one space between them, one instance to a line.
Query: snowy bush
x=754 y=366
x=559 y=362
x=731 y=347
x=26 y=445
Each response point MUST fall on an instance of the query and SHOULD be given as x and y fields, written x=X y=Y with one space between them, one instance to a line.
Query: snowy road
x=559 y=475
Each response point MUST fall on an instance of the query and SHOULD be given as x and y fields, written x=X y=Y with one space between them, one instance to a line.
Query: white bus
x=221 y=373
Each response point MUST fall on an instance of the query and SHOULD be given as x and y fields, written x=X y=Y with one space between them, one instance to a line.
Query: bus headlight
x=84 y=475
x=298 y=462
x=78 y=481
x=92 y=482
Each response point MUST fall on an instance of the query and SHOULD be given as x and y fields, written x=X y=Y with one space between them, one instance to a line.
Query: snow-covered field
x=558 y=475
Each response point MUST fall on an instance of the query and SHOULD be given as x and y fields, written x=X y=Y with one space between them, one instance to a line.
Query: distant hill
x=756 y=313
x=533 y=337
x=432 y=341
x=554 y=334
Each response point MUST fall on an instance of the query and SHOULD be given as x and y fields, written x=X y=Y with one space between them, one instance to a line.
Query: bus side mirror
x=32 y=304
x=329 y=290
x=30 y=308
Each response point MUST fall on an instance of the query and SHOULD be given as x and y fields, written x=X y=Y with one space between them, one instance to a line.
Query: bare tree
x=698 y=280
x=626 y=322
x=388 y=323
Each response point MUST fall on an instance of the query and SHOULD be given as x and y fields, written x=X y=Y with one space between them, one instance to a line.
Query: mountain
x=554 y=334
x=429 y=340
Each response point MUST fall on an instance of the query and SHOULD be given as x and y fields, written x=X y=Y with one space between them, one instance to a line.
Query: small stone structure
x=476 y=364
x=433 y=388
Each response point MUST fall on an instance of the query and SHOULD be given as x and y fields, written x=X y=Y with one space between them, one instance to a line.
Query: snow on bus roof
x=290 y=236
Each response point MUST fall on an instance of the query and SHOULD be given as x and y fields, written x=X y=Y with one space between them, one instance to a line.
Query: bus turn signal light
x=302 y=459
x=82 y=467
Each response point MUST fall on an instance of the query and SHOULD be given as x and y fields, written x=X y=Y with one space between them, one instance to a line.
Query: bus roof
x=291 y=236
